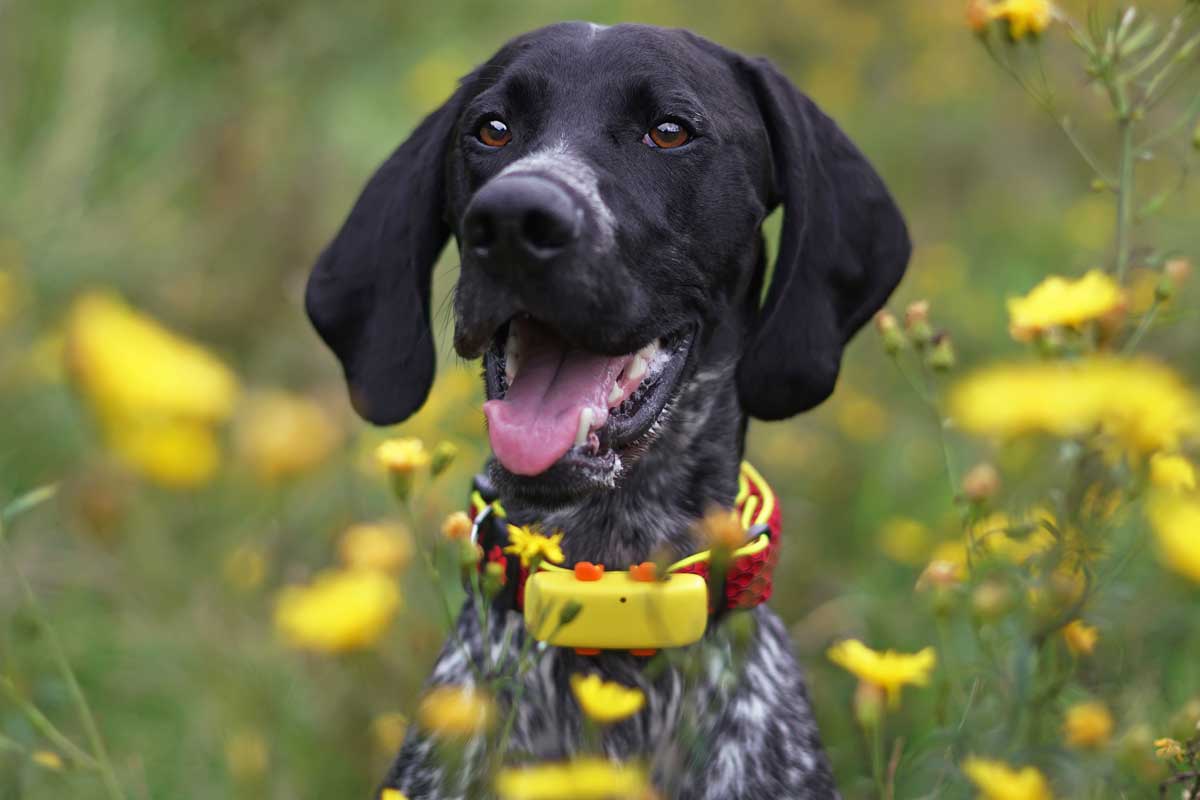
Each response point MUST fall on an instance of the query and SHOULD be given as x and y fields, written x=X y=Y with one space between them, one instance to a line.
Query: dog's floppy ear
x=844 y=247
x=368 y=295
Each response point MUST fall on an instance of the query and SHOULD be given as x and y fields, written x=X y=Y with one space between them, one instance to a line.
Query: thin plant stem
x=1144 y=325
x=91 y=730
x=1125 y=189
x=45 y=727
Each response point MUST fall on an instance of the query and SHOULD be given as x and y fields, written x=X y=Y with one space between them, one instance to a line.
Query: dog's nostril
x=546 y=230
x=479 y=230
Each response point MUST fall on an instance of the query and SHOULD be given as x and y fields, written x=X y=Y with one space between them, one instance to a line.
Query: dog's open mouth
x=547 y=399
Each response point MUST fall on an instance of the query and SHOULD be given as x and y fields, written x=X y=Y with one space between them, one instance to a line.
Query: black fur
x=667 y=241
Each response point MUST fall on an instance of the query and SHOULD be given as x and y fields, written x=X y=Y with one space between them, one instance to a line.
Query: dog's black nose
x=522 y=220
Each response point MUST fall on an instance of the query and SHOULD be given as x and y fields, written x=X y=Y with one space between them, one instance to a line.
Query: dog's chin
x=639 y=390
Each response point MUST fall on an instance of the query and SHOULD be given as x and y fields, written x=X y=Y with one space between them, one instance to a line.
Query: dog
x=606 y=188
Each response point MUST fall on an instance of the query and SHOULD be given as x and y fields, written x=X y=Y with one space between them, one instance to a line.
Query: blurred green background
x=195 y=157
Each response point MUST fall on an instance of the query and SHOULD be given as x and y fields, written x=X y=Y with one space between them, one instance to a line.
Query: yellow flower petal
x=456 y=712
x=998 y=781
x=1088 y=725
x=1172 y=472
x=586 y=778
x=888 y=670
x=605 y=701
x=1176 y=523
x=280 y=434
x=341 y=610
x=380 y=546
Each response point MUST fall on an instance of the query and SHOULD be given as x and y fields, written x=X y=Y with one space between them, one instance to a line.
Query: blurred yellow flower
x=246 y=755
x=392 y=794
x=340 y=610
x=404 y=455
x=721 y=529
x=529 y=545
x=1142 y=404
x=157 y=396
x=1080 y=637
x=586 y=778
x=1172 y=472
x=171 y=452
x=456 y=712
x=1024 y=17
x=1016 y=541
x=442 y=457
x=1088 y=725
x=1060 y=302
x=905 y=540
x=281 y=434
x=245 y=567
x=47 y=759
x=998 y=781
x=1176 y=523
x=457 y=526
x=388 y=730
x=380 y=546
x=606 y=701
x=888 y=670
x=1168 y=749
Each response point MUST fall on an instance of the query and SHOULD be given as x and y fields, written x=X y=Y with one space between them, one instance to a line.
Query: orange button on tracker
x=587 y=571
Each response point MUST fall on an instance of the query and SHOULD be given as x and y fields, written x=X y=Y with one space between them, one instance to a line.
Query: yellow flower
x=606 y=701
x=388 y=730
x=1081 y=638
x=1059 y=302
x=341 y=610
x=586 y=778
x=1172 y=472
x=1088 y=725
x=996 y=535
x=529 y=545
x=380 y=546
x=281 y=434
x=888 y=670
x=456 y=712
x=457 y=526
x=1168 y=749
x=245 y=567
x=157 y=396
x=403 y=455
x=998 y=781
x=1176 y=523
x=1141 y=404
x=1024 y=16
x=246 y=755
x=47 y=759
x=979 y=15
x=905 y=540
x=392 y=794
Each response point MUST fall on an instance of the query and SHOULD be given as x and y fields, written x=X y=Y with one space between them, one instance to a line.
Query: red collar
x=748 y=581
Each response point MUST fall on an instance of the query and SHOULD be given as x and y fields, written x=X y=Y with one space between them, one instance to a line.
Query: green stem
x=1143 y=326
x=877 y=758
x=1125 y=190
x=99 y=751
x=42 y=724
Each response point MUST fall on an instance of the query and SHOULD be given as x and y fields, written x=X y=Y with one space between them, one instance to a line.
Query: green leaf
x=28 y=501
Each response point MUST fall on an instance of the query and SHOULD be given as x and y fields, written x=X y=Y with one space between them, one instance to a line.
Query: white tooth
x=511 y=365
x=614 y=395
x=585 y=426
x=649 y=351
x=636 y=369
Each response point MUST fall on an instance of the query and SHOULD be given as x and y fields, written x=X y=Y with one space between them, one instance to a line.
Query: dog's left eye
x=667 y=134
x=494 y=133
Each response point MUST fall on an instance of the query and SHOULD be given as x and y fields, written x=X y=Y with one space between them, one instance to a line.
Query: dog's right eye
x=494 y=133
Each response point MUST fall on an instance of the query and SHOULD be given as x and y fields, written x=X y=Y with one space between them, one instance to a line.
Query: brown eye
x=494 y=133
x=667 y=135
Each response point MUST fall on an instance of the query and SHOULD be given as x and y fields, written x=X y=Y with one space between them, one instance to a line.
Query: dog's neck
x=691 y=465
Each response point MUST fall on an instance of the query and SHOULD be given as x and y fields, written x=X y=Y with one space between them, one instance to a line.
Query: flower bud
x=981 y=483
x=469 y=554
x=494 y=579
x=1178 y=270
x=457 y=526
x=979 y=16
x=442 y=457
x=868 y=705
x=916 y=322
x=889 y=331
x=942 y=357
x=991 y=600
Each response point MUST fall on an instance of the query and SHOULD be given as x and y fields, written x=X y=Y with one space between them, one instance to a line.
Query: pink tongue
x=537 y=421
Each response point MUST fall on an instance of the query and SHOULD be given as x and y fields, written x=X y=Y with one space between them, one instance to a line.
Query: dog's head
x=606 y=187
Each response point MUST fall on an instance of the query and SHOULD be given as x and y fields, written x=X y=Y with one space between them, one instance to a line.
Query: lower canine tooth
x=585 y=426
x=511 y=365
x=637 y=369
